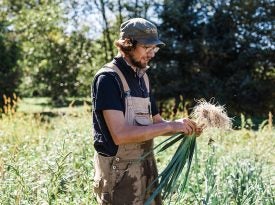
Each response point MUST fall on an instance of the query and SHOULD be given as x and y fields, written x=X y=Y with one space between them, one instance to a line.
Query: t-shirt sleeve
x=107 y=93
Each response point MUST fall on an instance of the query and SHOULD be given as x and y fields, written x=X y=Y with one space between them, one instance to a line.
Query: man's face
x=141 y=56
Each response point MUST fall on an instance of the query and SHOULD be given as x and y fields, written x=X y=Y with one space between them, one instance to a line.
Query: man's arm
x=122 y=133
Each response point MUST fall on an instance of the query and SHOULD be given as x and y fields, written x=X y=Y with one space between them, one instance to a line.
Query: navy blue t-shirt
x=107 y=94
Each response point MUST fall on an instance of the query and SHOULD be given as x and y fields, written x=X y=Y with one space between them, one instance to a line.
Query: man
x=126 y=119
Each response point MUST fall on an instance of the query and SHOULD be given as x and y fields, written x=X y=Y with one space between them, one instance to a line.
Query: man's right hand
x=186 y=126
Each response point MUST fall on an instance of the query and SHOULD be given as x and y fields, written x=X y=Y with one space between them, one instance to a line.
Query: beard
x=135 y=62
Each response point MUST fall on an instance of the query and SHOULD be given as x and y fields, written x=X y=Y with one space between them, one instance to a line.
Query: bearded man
x=126 y=119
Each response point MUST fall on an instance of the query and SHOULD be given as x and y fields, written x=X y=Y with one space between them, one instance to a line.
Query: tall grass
x=46 y=162
x=237 y=168
x=207 y=115
x=49 y=161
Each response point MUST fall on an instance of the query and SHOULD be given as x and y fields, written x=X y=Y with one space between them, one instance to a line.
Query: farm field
x=47 y=159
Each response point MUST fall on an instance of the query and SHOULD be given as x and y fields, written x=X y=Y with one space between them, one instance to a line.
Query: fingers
x=187 y=130
x=202 y=126
x=198 y=131
x=189 y=126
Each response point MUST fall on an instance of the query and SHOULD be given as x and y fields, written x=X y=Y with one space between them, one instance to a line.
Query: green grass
x=238 y=168
x=48 y=160
x=43 y=105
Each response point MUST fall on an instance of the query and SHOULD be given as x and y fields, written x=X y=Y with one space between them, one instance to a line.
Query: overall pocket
x=102 y=195
x=142 y=119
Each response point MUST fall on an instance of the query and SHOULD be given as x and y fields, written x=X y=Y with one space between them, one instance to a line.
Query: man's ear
x=128 y=42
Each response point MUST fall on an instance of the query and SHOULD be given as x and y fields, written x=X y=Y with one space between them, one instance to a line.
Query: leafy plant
x=207 y=115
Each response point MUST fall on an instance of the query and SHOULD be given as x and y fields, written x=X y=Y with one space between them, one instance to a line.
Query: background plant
x=47 y=160
x=54 y=48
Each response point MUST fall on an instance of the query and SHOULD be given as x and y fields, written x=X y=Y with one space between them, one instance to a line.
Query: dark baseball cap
x=141 y=30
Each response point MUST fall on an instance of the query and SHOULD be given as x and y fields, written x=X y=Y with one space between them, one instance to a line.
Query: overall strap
x=146 y=80
x=112 y=72
x=121 y=76
x=123 y=80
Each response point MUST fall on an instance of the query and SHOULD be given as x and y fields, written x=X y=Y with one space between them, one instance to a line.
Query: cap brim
x=151 y=42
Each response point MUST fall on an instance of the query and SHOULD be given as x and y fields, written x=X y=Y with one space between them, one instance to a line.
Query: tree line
x=220 y=49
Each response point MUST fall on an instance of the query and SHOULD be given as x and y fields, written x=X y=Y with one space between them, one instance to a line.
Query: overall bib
x=124 y=178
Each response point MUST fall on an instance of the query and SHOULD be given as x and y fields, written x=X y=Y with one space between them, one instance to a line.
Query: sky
x=85 y=14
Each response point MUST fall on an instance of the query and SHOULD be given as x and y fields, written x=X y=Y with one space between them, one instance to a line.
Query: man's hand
x=198 y=131
x=186 y=126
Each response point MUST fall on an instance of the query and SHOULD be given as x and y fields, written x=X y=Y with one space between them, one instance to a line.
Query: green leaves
x=217 y=49
x=54 y=61
x=10 y=52
x=168 y=178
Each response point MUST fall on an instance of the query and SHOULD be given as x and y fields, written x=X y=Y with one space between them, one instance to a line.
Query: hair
x=126 y=45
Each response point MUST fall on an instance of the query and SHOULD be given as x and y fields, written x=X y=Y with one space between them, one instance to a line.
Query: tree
x=53 y=58
x=219 y=49
x=10 y=52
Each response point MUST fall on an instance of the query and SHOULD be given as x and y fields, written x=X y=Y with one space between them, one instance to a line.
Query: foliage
x=48 y=160
x=53 y=60
x=209 y=115
x=168 y=178
x=54 y=63
x=10 y=52
x=222 y=50
x=233 y=169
